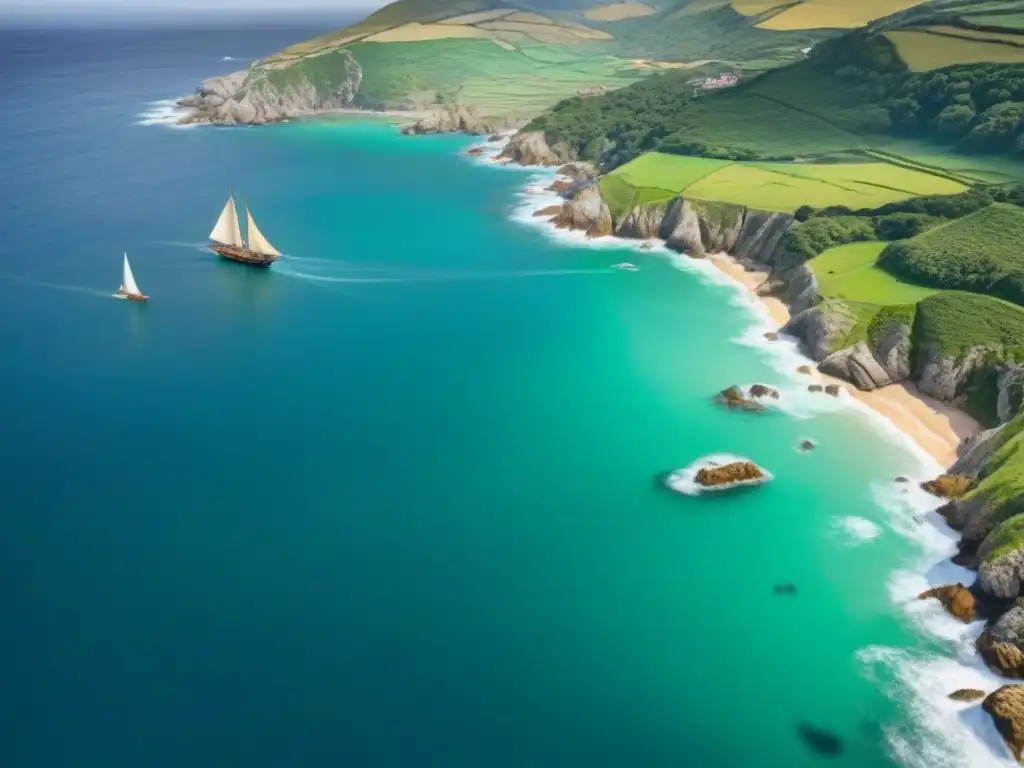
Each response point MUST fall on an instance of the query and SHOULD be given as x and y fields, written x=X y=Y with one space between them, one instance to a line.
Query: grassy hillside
x=857 y=93
x=850 y=272
x=979 y=253
x=517 y=57
x=767 y=186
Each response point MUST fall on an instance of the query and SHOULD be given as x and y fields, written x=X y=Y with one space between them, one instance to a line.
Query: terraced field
x=780 y=187
x=835 y=14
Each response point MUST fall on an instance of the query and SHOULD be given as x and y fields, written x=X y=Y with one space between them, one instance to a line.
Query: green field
x=979 y=253
x=957 y=321
x=780 y=187
x=849 y=272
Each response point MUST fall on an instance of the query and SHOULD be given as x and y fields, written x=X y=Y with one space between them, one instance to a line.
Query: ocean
x=399 y=499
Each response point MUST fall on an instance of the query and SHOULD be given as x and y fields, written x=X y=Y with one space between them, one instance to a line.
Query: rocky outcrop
x=818 y=329
x=857 y=365
x=550 y=210
x=893 y=351
x=531 y=148
x=586 y=211
x=680 y=228
x=1010 y=384
x=1006 y=706
x=976 y=452
x=642 y=222
x=452 y=118
x=758 y=239
x=1002 y=644
x=955 y=598
x=949 y=486
x=1001 y=558
x=734 y=397
x=266 y=94
x=945 y=377
x=738 y=472
x=579 y=171
x=967 y=694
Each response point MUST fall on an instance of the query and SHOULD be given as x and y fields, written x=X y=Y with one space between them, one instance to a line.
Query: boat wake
x=162 y=112
x=82 y=289
x=437 y=276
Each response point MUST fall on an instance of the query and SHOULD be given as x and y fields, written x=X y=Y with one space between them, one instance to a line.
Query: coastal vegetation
x=980 y=253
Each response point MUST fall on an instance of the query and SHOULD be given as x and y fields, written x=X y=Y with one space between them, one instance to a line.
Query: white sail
x=257 y=242
x=128 y=284
x=226 y=230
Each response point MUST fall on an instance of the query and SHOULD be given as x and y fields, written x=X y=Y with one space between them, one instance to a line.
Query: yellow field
x=476 y=18
x=996 y=37
x=923 y=52
x=415 y=32
x=547 y=33
x=835 y=14
x=529 y=18
x=619 y=11
x=756 y=7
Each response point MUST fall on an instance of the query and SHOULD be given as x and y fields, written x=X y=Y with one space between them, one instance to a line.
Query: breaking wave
x=163 y=112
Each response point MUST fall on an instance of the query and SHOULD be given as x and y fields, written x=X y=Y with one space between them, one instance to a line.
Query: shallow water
x=398 y=499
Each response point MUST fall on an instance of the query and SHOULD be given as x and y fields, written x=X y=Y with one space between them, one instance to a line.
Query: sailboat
x=227 y=239
x=129 y=288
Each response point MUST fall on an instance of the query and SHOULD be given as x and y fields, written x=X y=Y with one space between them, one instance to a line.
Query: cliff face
x=267 y=94
x=453 y=118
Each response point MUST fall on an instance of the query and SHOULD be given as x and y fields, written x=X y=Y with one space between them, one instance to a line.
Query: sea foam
x=163 y=112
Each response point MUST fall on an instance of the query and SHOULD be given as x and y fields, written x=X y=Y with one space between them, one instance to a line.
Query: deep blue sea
x=396 y=500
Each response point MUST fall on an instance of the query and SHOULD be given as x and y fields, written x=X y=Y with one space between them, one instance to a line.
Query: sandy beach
x=936 y=427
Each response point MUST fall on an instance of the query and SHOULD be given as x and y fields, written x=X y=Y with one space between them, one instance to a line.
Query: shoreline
x=935 y=427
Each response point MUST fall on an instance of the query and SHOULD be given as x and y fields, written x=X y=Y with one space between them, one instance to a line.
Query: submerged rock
x=807 y=445
x=761 y=390
x=475 y=151
x=734 y=397
x=815 y=388
x=967 y=694
x=955 y=598
x=901 y=479
x=785 y=589
x=730 y=474
x=949 y=486
x=818 y=739
x=1006 y=706
x=833 y=389
x=771 y=336
x=805 y=369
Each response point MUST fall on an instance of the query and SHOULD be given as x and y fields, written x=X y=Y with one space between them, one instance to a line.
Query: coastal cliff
x=265 y=93
x=868 y=352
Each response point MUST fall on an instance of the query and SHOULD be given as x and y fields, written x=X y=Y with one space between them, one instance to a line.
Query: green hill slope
x=934 y=74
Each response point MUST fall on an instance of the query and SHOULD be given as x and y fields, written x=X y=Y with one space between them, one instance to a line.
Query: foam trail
x=58 y=286
x=444 y=278
x=228 y=58
x=858 y=530
x=162 y=112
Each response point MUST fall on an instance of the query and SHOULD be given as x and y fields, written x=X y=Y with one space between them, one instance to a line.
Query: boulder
x=857 y=365
x=586 y=211
x=771 y=336
x=761 y=390
x=949 y=486
x=832 y=389
x=733 y=398
x=818 y=329
x=1006 y=706
x=729 y=474
x=1001 y=559
x=1002 y=644
x=805 y=369
x=475 y=151
x=815 y=388
x=956 y=599
x=531 y=148
x=967 y=694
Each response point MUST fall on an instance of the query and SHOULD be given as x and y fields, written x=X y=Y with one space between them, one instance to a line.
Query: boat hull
x=131 y=296
x=243 y=255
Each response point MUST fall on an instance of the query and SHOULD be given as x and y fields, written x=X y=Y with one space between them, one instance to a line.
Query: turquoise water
x=395 y=501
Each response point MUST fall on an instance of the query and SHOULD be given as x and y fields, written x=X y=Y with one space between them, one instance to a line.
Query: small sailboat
x=227 y=239
x=129 y=288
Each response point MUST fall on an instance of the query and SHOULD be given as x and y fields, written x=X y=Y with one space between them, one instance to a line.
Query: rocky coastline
x=977 y=502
